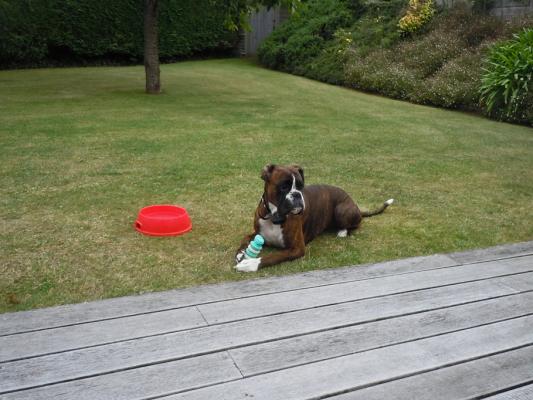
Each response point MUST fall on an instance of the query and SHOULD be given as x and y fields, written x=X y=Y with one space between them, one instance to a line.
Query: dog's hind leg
x=342 y=233
x=347 y=217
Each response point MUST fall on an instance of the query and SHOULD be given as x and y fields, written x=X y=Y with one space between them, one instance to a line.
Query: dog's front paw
x=248 y=265
x=239 y=256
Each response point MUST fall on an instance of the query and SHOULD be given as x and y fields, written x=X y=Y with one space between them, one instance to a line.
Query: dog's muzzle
x=296 y=202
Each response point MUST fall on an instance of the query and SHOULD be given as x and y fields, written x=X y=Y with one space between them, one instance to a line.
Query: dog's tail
x=379 y=210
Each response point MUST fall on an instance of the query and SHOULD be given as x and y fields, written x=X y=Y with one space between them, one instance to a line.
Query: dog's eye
x=285 y=186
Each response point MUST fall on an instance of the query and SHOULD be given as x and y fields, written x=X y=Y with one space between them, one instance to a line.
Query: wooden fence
x=262 y=23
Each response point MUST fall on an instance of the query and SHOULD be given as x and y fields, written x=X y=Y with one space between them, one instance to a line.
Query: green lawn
x=83 y=149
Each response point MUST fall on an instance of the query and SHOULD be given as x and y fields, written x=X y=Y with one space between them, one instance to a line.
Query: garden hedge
x=48 y=32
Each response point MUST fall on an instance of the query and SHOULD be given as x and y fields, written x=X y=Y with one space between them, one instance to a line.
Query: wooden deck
x=456 y=326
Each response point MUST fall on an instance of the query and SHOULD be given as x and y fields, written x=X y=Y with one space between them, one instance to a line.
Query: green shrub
x=301 y=40
x=19 y=31
x=314 y=43
x=401 y=71
x=377 y=29
x=507 y=82
x=441 y=67
x=40 y=32
x=455 y=85
x=474 y=29
x=426 y=55
x=328 y=65
x=271 y=52
x=370 y=75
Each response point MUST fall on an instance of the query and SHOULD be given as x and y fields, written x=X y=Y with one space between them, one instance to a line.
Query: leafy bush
x=440 y=67
x=328 y=65
x=369 y=74
x=377 y=28
x=410 y=69
x=426 y=55
x=508 y=79
x=455 y=85
x=302 y=39
x=418 y=14
x=19 y=31
x=40 y=32
x=314 y=42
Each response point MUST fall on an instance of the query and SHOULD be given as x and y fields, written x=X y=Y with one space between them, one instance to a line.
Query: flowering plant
x=419 y=12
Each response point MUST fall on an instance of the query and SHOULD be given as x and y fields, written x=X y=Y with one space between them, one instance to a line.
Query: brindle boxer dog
x=290 y=215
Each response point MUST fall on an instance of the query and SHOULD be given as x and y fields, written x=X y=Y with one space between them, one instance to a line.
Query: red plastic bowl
x=163 y=220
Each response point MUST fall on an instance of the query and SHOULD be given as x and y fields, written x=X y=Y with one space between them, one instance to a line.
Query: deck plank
x=25 y=321
x=494 y=253
x=140 y=383
x=108 y=358
x=233 y=310
x=469 y=380
x=338 y=375
x=272 y=356
x=32 y=344
x=521 y=393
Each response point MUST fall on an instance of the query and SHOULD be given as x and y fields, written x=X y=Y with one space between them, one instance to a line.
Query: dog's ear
x=300 y=171
x=267 y=172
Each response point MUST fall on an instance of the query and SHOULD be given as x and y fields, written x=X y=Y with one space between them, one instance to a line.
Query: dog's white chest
x=273 y=234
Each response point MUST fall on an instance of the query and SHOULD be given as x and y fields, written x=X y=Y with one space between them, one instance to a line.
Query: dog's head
x=283 y=190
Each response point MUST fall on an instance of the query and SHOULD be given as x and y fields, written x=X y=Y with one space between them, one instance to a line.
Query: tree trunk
x=151 y=47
